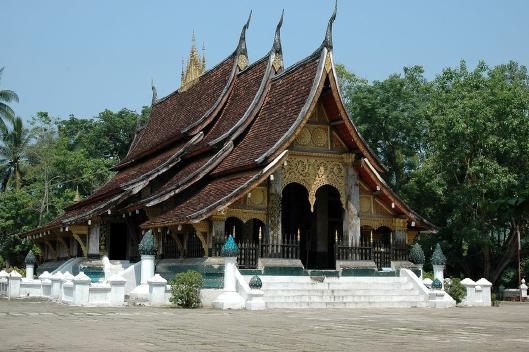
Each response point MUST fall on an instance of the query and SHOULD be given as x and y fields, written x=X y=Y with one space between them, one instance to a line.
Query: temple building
x=256 y=150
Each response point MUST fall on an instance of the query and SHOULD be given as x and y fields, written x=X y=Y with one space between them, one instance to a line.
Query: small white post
x=147 y=267
x=14 y=285
x=30 y=261
x=45 y=280
x=117 y=290
x=485 y=293
x=81 y=287
x=29 y=271
x=56 y=285
x=523 y=289
x=255 y=296
x=470 y=286
x=230 y=298
x=157 y=290
x=438 y=273
x=67 y=287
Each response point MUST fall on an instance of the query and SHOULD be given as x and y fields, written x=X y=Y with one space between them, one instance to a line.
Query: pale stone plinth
x=470 y=286
x=255 y=300
x=30 y=271
x=147 y=268
x=117 y=290
x=438 y=273
x=81 y=289
x=14 y=285
x=56 y=285
x=157 y=286
x=45 y=280
x=485 y=291
x=229 y=299
x=523 y=289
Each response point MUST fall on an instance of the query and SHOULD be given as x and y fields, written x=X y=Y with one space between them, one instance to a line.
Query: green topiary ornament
x=30 y=258
x=230 y=248
x=147 y=245
x=256 y=283
x=438 y=258
x=417 y=254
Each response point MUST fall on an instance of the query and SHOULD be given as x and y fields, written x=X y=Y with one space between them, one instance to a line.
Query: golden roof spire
x=77 y=195
x=195 y=65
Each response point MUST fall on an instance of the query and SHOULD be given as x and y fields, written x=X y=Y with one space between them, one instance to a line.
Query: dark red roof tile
x=284 y=101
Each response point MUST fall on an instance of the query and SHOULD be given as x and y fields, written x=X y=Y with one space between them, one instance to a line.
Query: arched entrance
x=316 y=231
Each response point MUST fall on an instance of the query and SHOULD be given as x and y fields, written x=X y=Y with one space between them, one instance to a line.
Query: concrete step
x=341 y=305
x=358 y=279
x=342 y=292
x=336 y=286
x=346 y=299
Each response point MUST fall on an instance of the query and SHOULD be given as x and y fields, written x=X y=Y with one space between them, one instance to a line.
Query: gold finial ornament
x=196 y=66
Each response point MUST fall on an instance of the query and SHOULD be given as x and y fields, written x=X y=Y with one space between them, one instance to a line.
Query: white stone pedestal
x=229 y=299
x=81 y=289
x=157 y=286
x=255 y=300
x=14 y=285
x=117 y=290
x=45 y=280
x=56 y=285
x=523 y=290
x=147 y=268
x=438 y=273
x=486 y=285
x=30 y=271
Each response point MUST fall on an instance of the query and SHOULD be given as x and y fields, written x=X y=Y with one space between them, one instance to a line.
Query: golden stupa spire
x=196 y=65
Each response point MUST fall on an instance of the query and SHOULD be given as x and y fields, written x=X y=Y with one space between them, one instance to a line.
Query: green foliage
x=6 y=112
x=2 y=263
x=44 y=165
x=427 y=275
x=455 y=288
x=185 y=289
x=417 y=254
x=454 y=148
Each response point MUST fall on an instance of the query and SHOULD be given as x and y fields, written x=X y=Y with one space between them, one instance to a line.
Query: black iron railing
x=381 y=252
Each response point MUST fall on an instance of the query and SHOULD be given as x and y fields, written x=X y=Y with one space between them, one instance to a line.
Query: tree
x=478 y=153
x=391 y=116
x=6 y=113
x=13 y=153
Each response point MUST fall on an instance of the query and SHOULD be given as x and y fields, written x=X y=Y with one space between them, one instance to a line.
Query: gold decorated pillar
x=274 y=208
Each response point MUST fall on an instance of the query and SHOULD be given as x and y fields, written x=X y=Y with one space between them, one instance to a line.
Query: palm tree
x=6 y=113
x=13 y=148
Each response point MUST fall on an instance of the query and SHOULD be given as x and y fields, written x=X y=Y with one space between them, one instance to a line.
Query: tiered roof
x=224 y=134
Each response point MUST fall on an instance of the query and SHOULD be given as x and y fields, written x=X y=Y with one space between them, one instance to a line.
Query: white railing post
x=523 y=290
x=14 y=285
x=117 y=290
x=81 y=289
x=470 y=286
x=45 y=281
x=157 y=290
x=56 y=285
x=485 y=293
x=229 y=299
x=255 y=296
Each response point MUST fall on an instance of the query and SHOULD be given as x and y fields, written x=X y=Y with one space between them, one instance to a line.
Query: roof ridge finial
x=242 y=39
x=277 y=36
x=154 y=93
x=327 y=42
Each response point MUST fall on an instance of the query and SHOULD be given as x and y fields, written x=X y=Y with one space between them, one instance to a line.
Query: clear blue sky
x=81 y=57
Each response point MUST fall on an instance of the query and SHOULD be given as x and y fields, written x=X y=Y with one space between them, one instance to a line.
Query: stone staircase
x=342 y=292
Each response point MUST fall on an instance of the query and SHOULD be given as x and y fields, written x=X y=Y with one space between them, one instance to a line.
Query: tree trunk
x=507 y=257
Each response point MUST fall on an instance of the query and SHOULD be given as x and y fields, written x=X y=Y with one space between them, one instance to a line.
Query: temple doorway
x=117 y=247
x=316 y=231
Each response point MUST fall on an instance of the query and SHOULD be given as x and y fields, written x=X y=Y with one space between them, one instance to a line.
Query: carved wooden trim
x=313 y=172
x=81 y=243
